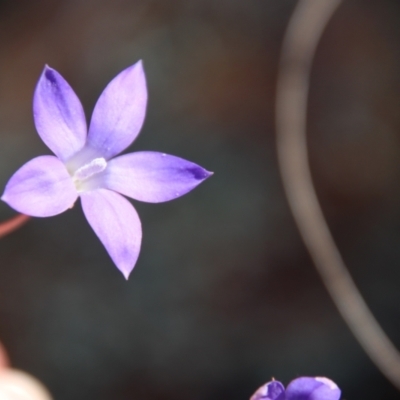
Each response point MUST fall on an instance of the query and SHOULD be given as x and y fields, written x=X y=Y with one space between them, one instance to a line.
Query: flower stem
x=301 y=39
x=4 y=361
x=12 y=224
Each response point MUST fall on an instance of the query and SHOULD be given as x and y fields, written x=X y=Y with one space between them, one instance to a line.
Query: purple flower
x=85 y=164
x=304 y=388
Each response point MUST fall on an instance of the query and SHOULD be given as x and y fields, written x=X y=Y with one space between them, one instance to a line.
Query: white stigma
x=83 y=174
x=92 y=168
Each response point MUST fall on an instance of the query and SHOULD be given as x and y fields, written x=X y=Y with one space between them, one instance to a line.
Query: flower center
x=88 y=170
x=93 y=167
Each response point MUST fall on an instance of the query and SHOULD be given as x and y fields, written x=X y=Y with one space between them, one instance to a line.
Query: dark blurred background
x=224 y=295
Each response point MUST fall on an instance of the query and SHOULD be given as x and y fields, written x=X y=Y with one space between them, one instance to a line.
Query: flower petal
x=273 y=390
x=41 y=188
x=59 y=116
x=307 y=388
x=152 y=177
x=116 y=224
x=119 y=113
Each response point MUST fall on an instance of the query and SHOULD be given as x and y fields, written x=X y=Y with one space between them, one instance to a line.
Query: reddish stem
x=4 y=362
x=12 y=224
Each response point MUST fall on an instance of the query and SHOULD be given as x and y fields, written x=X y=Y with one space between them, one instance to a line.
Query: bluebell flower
x=86 y=162
x=304 y=388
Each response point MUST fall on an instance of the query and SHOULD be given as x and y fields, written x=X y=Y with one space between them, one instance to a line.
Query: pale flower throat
x=82 y=175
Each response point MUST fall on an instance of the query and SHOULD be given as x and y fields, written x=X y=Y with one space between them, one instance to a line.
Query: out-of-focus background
x=224 y=295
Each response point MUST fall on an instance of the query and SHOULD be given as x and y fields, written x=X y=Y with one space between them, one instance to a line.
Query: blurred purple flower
x=84 y=165
x=304 y=388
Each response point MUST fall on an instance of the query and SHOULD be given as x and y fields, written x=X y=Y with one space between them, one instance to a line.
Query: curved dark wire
x=302 y=36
